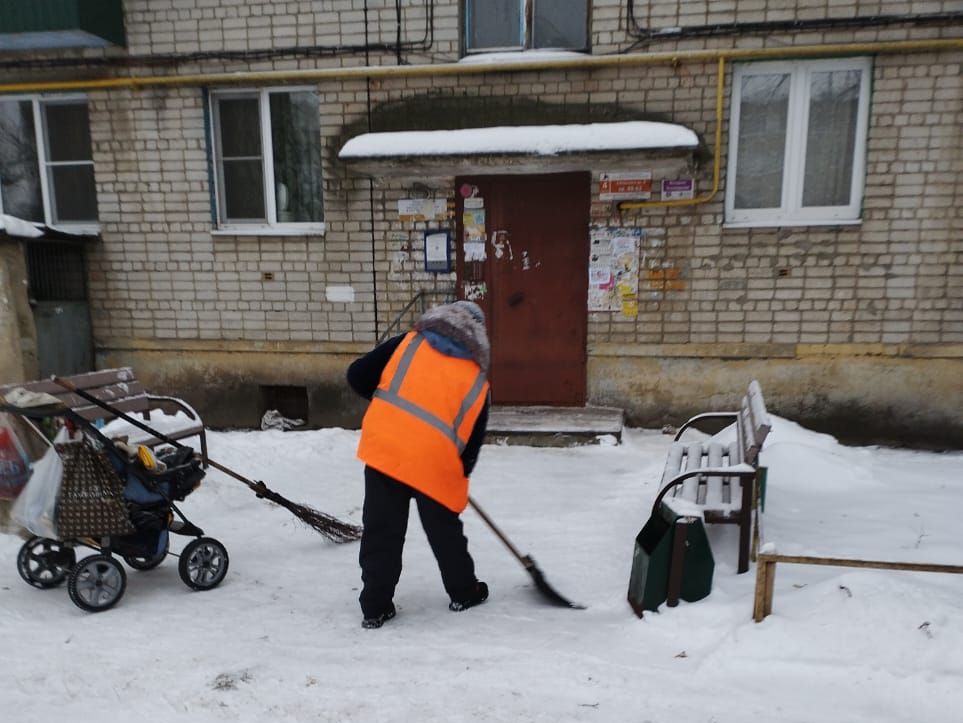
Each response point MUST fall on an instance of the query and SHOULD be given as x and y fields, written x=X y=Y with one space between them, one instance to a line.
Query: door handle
x=516 y=298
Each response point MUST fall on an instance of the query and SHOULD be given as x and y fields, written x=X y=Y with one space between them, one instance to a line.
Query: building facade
x=654 y=202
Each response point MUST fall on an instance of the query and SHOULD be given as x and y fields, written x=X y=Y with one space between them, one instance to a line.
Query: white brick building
x=238 y=261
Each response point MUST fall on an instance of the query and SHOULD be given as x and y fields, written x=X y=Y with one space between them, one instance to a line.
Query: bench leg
x=203 y=436
x=754 y=546
x=676 y=562
x=745 y=525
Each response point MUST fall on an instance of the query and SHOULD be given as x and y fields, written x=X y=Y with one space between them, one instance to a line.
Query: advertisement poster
x=473 y=222
x=422 y=209
x=614 y=269
x=437 y=251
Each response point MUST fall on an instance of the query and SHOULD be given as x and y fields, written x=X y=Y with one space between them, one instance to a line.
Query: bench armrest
x=745 y=471
x=706 y=415
x=180 y=404
x=174 y=402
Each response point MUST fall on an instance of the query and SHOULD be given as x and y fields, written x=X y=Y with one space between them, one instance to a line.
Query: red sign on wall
x=625 y=186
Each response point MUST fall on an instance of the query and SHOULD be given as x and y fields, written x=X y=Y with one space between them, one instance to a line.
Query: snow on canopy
x=535 y=140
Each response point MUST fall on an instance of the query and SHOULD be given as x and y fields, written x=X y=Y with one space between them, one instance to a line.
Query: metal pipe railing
x=420 y=298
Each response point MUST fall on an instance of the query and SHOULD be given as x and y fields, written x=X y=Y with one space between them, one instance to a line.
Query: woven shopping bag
x=91 y=502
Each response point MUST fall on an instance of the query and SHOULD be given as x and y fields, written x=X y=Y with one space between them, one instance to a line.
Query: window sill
x=305 y=230
x=74 y=229
x=485 y=56
x=790 y=223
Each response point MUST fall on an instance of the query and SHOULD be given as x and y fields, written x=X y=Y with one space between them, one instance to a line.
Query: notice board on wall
x=614 y=269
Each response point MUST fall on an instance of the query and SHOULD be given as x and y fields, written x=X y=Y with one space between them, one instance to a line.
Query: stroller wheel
x=44 y=563
x=203 y=563
x=96 y=583
x=143 y=562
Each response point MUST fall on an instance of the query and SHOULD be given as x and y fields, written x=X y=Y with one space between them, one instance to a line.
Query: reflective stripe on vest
x=391 y=396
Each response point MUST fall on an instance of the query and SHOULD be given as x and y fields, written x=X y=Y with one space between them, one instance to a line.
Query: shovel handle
x=524 y=559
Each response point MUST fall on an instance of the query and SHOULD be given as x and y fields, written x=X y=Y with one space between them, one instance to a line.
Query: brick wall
x=892 y=279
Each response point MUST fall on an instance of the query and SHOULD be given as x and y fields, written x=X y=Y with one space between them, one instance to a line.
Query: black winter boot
x=477 y=597
x=378 y=620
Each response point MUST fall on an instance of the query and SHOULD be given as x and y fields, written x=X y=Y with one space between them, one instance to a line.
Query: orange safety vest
x=420 y=419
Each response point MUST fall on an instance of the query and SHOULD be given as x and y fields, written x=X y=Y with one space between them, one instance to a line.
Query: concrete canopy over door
x=532 y=231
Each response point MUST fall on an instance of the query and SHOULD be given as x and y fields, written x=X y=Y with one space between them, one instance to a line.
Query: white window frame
x=43 y=141
x=526 y=31
x=791 y=212
x=257 y=227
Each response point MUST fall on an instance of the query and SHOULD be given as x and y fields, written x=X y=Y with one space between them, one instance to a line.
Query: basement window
x=290 y=401
x=498 y=25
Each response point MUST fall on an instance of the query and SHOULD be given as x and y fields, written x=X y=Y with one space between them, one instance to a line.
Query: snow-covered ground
x=280 y=639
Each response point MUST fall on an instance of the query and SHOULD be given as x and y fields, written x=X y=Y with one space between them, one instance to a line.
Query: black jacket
x=364 y=375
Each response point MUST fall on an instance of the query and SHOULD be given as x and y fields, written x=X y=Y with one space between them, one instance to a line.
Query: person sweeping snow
x=420 y=439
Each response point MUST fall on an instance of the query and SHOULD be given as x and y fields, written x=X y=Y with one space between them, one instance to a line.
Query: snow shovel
x=527 y=562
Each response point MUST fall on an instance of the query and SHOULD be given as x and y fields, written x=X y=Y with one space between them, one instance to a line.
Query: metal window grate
x=56 y=272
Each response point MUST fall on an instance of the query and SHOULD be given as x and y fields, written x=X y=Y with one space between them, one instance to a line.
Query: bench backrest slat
x=757 y=410
x=716 y=487
x=754 y=423
x=690 y=488
x=117 y=387
x=127 y=406
x=674 y=462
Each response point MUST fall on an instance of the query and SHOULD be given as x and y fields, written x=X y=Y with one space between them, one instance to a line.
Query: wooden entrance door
x=532 y=282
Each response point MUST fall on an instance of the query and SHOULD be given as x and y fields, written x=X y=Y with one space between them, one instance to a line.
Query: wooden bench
x=716 y=481
x=121 y=390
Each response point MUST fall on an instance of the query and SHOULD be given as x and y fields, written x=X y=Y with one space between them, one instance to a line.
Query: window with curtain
x=46 y=161
x=492 y=25
x=267 y=152
x=797 y=142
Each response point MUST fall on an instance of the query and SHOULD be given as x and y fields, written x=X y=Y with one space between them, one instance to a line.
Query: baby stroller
x=114 y=499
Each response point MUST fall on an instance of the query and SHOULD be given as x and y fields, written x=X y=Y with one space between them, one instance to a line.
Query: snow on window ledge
x=258 y=230
x=519 y=56
x=784 y=222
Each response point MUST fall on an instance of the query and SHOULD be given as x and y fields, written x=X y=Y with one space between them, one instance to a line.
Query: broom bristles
x=331 y=527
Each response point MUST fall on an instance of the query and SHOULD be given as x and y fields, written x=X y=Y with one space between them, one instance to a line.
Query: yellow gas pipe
x=579 y=63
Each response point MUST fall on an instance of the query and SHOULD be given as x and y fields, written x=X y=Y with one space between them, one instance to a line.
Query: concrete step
x=541 y=426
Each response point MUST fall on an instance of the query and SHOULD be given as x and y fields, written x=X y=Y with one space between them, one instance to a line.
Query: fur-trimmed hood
x=462 y=322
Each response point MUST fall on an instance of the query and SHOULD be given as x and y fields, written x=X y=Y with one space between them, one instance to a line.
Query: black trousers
x=385 y=519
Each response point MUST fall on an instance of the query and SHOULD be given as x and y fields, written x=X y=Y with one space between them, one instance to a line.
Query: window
x=267 y=149
x=797 y=145
x=505 y=25
x=46 y=161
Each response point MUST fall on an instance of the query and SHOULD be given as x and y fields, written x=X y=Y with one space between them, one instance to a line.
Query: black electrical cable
x=646 y=35
x=371 y=199
x=310 y=51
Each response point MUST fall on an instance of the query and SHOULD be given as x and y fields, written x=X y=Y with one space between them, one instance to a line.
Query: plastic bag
x=273 y=419
x=36 y=506
x=14 y=460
